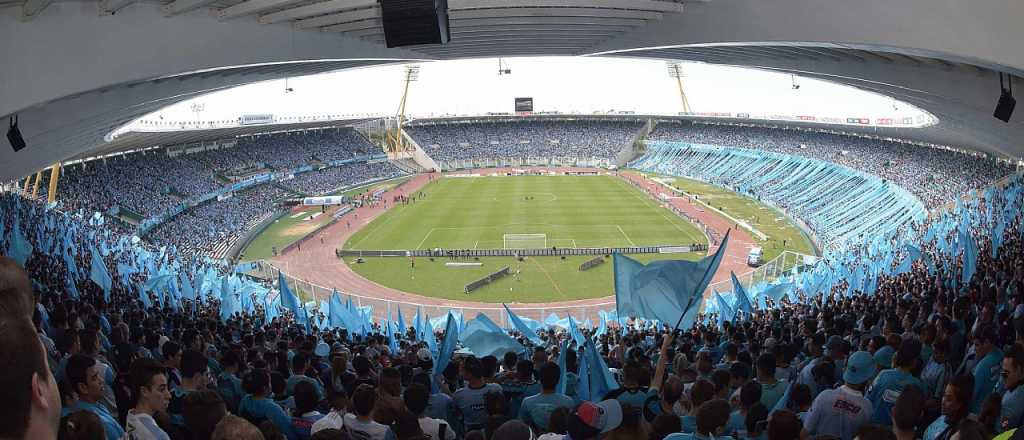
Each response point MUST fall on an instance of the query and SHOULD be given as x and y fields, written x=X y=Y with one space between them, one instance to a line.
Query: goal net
x=525 y=241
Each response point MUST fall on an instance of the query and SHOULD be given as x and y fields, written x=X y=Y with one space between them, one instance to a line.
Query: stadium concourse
x=314 y=262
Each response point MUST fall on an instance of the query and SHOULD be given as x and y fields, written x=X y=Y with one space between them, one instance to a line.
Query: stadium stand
x=523 y=139
x=150 y=183
x=324 y=181
x=938 y=317
x=210 y=229
x=935 y=175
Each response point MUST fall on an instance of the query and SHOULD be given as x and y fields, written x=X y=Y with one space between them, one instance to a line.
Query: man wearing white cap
x=840 y=412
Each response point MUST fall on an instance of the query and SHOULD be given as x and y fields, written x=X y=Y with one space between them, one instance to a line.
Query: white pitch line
x=424 y=240
x=624 y=235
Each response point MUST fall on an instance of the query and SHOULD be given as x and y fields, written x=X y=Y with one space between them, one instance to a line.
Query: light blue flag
x=337 y=311
x=69 y=262
x=602 y=326
x=444 y=356
x=228 y=305
x=187 y=291
x=401 y=321
x=970 y=256
x=664 y=290
x=485 y=338
x=599 y=380
x=777 y=291
x=417 y=323
x=291 y=302
x=18 y=248
x=99 y=275
x=69 y=285
x=725 y=312
x=271 y=307
x=157 y=284
x=427 y=333
x=392 y=338
x=742 y=300
x=144 y=296
x=563 y=379
x=521 y=327
x=575 y=333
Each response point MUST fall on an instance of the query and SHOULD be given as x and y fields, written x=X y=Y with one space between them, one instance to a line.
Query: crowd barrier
x=545 y=252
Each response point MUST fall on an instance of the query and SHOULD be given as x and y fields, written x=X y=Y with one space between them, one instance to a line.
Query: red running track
x=315 y=262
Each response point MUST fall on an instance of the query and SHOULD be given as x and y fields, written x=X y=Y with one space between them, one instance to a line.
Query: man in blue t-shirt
x=83 y=375
x=1011 y=413
x=889 y=383
x=986 y=371
x=469 y=400
x=519 y=387
x=536 y=409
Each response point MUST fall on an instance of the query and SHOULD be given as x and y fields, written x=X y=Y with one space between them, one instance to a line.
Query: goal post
x=525 y=241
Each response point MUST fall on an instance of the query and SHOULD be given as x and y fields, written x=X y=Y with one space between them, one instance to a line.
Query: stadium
x=659 y=219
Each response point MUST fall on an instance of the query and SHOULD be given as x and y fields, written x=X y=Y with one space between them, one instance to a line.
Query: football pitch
x=478 y=212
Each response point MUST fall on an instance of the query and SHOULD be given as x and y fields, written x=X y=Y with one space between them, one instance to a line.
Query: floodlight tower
x=675 y=70
x=395 y=143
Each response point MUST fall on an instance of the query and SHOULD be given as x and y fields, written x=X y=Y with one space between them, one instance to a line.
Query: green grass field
x=764 y=218
x=385 y=185
x=468 y=213
x=285 y=231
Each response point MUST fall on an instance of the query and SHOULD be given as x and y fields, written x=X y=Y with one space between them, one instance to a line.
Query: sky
x=564 y=84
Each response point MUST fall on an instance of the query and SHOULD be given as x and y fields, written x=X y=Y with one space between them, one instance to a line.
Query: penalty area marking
x=624 y=235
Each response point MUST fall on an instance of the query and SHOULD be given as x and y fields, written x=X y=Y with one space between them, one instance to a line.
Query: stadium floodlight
x=675 y=70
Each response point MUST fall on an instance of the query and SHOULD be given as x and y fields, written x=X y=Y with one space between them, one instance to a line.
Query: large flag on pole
x=521 y=327
x=664 y=290
x=444 y=356
x=742 y=300
x=291 y=302
x=99 y=275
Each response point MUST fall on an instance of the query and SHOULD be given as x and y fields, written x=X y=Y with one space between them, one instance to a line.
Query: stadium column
x=35 y=186
x=28 y=181
x=54 y=175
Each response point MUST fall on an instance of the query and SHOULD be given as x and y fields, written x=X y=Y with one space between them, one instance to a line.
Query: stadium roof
x=76 y=70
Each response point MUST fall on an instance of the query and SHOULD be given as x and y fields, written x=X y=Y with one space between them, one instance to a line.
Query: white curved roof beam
x=314 y=9
x=112 y=6
x=355 y=25
x=553 y=12
x=638 y=5
x=31 y=8
x=507 y=40
x=183 y=6
x=251 y=7
x=344 y=17
x=554 y=21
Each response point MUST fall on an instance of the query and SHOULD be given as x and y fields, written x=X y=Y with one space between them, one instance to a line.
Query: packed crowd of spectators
x=315 y=183
x=922 y=357
x=210 y=228
x=524 y=139
x=152 y=182
x=934 y=175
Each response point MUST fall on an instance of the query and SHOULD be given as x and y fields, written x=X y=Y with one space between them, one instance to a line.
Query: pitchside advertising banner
x=524 y=105
x=317 y=201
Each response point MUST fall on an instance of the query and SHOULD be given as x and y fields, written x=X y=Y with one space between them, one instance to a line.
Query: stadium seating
x=935 y=175
x=524 y=139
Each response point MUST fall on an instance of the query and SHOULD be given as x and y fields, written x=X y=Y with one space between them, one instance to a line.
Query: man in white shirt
x=840 y=412
x=360 y=426
x=149 y=389
x=336 y=418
